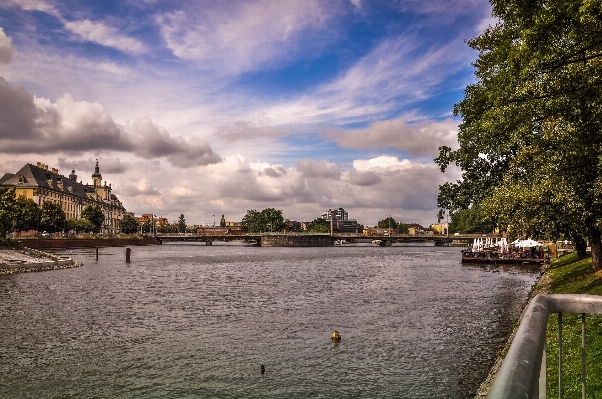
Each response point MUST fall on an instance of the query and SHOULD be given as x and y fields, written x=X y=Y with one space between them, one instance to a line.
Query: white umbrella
x=529 y=243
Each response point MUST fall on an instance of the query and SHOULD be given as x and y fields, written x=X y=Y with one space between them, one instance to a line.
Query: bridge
x=317 y=240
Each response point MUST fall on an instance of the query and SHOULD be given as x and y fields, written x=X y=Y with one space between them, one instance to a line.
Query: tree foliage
x=470 y=221
x=148 y=227
x=7 y=210
x=319 y=225
x=27 y=214
x=182 y=224
x=80 y=225
x=268 y=219
x=165 y=228
x=128 y=224
x=53 y=217
x=387 y=223
x=530 y=138
x=95 y=215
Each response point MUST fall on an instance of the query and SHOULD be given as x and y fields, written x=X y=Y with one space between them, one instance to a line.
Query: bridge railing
x=523 y=372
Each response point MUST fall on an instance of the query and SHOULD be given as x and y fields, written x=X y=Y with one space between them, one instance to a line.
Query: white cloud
x=244 y=130
x=98 y=32
x=245 y=35
x=44 y=6
x=7 y=51
x=381 y=163
x=420 y=139
x=32 y=124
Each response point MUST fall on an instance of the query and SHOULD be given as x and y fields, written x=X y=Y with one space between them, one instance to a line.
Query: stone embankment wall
x=29 y=260
x=296 y=241
x=85 y=243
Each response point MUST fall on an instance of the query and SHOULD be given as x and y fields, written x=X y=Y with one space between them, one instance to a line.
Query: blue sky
x=218 y=107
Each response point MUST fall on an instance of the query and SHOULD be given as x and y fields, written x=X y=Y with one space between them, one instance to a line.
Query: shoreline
x=28 y=260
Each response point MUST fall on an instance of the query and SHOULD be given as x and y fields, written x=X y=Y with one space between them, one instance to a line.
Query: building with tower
x=40 y=184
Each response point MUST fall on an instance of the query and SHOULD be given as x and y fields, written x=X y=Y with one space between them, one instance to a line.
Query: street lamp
x=213 y=224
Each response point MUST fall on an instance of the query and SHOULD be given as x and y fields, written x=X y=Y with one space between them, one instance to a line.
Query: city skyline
x=219 y=108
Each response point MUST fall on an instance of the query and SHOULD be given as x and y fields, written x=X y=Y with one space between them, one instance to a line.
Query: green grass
x=567 y=275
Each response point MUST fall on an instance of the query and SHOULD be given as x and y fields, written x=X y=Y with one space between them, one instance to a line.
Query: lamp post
x=389 y=218
x=213 y=224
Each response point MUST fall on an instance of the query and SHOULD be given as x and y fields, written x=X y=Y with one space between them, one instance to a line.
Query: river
x=195 y=321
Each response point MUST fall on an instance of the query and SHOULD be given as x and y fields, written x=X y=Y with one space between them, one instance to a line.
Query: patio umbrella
x=529 y=243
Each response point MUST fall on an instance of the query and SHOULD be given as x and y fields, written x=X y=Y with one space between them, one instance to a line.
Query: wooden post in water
x=96 y=253
x=128 y=251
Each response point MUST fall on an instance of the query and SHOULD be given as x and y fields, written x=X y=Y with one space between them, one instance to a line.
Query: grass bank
x=567 y=275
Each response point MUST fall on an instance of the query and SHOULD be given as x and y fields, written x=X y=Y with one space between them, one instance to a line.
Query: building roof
x=32 y=176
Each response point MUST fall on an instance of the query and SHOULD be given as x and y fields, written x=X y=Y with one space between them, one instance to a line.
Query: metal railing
x=523 y=372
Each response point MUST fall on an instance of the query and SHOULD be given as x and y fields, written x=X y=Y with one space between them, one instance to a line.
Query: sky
x=207 y=108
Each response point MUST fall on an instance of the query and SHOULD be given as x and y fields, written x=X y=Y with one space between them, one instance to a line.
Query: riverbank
x=61 y=243
x=566 y=275
x=29 y=260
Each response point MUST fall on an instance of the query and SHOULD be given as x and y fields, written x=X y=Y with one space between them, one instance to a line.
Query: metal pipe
x=583 y=355
x=560 y=369
x=519 y=375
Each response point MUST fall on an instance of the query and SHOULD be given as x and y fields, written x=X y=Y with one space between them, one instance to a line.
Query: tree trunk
x=580 y=246
x=596 y=245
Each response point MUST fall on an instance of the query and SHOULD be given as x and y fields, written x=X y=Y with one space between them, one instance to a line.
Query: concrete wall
x=85 y=243
x=277 y=240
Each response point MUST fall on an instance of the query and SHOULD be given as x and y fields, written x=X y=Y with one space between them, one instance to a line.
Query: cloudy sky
x=218 y=107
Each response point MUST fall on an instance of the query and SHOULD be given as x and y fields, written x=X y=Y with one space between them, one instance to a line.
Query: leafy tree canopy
x=53 y=217
x=7 y=211
x=95 y=215
x=80 y=225
x=470 y=221
x=387 y=223
x=165 y=228
x=182 y=224
x=27 y=213
x=268 y=219
x=129 y=224
x=147 y=226
x=530 y=138
x=319 y=225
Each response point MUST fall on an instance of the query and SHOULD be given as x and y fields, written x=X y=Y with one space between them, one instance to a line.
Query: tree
x=80 y=225
x=182 y=224
x=268 y=219
x=319 y=225
x=27 y=214
x=7 y=209
x=147 y=227
x=273 y=219
x=530 y=138
x=95 y=215
x=470 y=221
x=129 y=224
x=53 y=217
x=388 y=223
x=164 y=228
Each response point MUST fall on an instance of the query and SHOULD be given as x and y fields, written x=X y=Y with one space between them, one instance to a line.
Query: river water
x=195 y=321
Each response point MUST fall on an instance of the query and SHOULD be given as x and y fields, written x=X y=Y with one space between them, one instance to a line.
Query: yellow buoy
x=336 y=336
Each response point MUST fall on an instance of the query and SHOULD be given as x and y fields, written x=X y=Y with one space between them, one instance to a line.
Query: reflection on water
x=192 y=321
